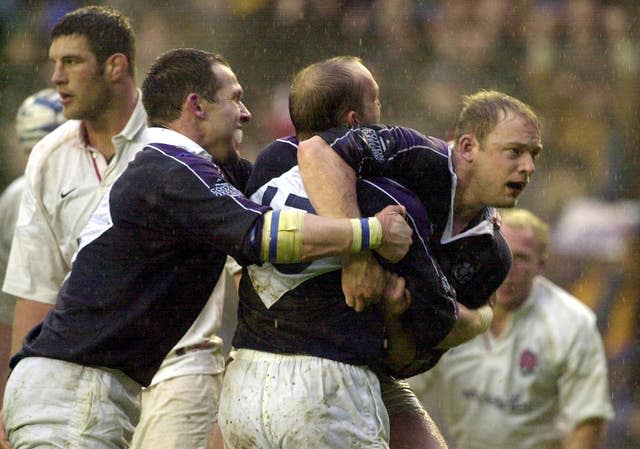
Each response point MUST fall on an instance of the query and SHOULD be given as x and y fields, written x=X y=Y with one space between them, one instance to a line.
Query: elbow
x=312 y=149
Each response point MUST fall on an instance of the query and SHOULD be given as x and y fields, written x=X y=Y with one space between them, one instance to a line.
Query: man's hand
x=396 y=298
x=4 y=439
x=363 y=281
x=401 y=341
x=396 y=233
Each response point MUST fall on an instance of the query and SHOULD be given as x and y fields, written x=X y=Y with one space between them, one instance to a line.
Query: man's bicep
x=328 y=180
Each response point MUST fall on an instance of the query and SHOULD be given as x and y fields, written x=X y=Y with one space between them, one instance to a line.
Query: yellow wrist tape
x=282 y=236
x=486 y=313
x=366 y=234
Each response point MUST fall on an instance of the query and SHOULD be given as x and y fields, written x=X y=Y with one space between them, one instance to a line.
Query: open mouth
x=64 y=97
x=518 y=186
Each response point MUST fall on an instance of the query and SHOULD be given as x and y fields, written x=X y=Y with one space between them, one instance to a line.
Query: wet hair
x=107 y=30
x=525 y=220
x=482 y=111
x=173 y=76
x=322 y=93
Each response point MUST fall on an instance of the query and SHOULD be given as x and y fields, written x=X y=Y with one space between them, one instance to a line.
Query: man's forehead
x=71 y=43
x=513 y=120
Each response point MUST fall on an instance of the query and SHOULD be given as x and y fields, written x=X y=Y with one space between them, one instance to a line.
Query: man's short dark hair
x=322 y=93
x=173 y=76
x=107 y=30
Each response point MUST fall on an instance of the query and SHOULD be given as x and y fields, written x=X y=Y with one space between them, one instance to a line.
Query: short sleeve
x=584 y=387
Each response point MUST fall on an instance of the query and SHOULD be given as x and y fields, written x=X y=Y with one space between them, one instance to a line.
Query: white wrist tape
x=486 y=313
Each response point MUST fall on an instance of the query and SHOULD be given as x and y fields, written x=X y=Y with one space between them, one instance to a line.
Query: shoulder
x=567 y=317
x=279 y=151
x=63 y=143
x=275 y=159
x=63 y=137
x=554 y=297
x=12 y=192
x=10 y=203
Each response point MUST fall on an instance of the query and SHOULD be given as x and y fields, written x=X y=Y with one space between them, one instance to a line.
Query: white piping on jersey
x=288 y=143
x=189 y=145
x=99 y=223
x=413 y=223
x=343 y=137
x=180 y=162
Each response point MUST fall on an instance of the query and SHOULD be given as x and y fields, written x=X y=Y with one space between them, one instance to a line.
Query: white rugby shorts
x=294 y=401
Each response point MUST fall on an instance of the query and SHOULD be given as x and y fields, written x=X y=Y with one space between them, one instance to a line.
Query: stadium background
x=577 y=63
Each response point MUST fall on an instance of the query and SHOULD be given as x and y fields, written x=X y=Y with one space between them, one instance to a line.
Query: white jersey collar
x=484 y=227
x=170 y=137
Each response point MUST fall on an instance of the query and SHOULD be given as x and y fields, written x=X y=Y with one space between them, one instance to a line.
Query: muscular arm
x=27 y=315
x=470 y=323
x=331 y=186
x=587 y=435
x=295 y=236
x=329 y=182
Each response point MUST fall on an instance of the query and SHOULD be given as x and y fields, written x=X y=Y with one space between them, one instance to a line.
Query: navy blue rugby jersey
x=477 y=260
x=148 y=261
x=301 y=308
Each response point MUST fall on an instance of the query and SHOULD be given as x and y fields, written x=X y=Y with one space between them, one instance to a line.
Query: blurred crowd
x=576 y=62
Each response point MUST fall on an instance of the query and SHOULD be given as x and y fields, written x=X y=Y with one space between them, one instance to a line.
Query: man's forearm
x=289 y=237
x=587 y=435
x=27 y=315
x=470 y=323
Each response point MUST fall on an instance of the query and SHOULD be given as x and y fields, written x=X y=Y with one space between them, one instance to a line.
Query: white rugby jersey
x=528 y=387
x=286 y=193
x=66 y=178
x=9 y=204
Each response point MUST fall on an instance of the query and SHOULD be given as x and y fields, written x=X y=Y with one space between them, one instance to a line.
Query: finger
x=394 y=289
x=350 y=301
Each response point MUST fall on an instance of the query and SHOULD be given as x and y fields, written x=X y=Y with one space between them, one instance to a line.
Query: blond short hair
x=523 y=219
x=482 y=111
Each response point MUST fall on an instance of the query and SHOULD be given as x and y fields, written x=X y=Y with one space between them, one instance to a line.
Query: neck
x=499 y=323
x=463 y=214
x=465 y=206
x=102 y=129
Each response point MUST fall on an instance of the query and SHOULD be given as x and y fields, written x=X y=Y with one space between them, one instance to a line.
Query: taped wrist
x=282 y=236
x=366 y=234
x=486 y=314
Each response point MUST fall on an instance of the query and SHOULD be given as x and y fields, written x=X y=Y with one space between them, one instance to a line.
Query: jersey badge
x=225 y=189
x=528 y=362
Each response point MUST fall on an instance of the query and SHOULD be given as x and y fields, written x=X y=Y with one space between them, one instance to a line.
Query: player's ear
x=352 y=119
x=194 y=105
x=466 y=146
x=116 y=66
x=542 y=264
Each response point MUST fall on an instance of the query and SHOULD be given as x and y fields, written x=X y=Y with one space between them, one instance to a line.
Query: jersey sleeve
x=583 y=387
x=367 y=149
x=209 y=209
x=433 y=310
x=36 y=267
x=273 y=161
